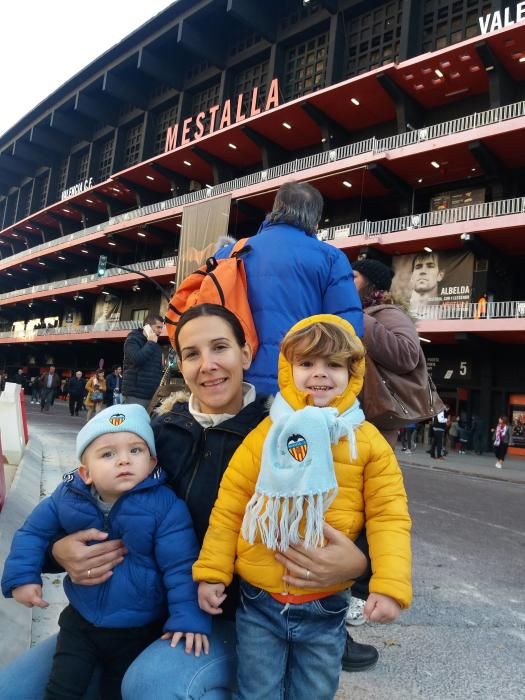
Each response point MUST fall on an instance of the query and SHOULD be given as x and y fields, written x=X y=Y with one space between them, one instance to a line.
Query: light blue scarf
x=297 y=477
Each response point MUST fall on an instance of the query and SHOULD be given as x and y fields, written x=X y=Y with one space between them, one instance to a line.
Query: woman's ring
x=307 y=574
x=89 y=573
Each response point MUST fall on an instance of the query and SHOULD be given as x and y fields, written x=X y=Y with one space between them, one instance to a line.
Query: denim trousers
x=159 y=673
x=289 y=651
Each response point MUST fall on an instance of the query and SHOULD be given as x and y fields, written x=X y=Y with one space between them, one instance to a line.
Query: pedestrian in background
x=291 y=275
x=408 y=438
x=502 y=433
x=49 y=383
x=77 y=389
x=20 y=378
x=114 y=394
x=439 y=425
x=95 y=387
x=390 y=339
x=34 y=388
x=453 y=432
x=143 y=362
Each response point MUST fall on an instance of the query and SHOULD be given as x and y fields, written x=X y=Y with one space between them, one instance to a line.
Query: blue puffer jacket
x=155 y=575
x=292 y=275
x=142 y=366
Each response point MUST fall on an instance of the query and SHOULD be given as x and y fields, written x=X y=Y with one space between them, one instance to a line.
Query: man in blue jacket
x=143 y=362
x=115 y=489
x=292 y=275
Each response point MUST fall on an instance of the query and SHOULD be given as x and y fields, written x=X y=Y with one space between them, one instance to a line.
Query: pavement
x=50 y=453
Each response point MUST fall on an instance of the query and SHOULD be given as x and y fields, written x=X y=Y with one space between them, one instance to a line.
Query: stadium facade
x=408 y=115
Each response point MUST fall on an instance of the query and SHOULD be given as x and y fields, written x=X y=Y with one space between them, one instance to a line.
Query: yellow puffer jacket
x=370 y=492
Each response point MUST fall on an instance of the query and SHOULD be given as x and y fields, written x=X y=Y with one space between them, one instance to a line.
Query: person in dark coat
x=114 y=387
x=49 y=383
x=292 y=275
x=76 y=390
x=143 y=362
x=20 y=378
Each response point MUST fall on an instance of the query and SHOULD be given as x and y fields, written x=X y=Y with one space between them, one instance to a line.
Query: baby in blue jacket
x=115 y=489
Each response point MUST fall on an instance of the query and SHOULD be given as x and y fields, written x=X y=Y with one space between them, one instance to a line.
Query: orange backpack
x=220 y=282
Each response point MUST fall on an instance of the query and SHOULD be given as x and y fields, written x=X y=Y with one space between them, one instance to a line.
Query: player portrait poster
x=439 y=278
x=107 y=310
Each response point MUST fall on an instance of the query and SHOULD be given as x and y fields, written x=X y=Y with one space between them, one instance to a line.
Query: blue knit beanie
x=126 y=418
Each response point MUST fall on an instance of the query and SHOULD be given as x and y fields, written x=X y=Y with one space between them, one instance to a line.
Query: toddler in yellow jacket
x=314 y=460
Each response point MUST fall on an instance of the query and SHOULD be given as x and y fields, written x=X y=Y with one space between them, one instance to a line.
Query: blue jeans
x=159 y=673
x=292 y=651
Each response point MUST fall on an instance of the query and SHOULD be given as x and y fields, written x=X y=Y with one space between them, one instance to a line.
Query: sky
x=44 y=43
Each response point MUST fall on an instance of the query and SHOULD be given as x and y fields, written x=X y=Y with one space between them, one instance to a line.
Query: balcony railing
x=471 y=212
x=84 y=279
x=73 y=330
x=372 y=145
x=470 y=311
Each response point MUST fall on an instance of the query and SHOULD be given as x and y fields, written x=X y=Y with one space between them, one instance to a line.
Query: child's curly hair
x=325 y=339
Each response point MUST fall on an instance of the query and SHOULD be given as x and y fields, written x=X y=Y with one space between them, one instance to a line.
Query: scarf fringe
x=276 y=520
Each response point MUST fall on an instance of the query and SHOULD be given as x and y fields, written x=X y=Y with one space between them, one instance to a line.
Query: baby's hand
x=30 y=595
x=211 y=596
x=381 y=608
x=200 y=641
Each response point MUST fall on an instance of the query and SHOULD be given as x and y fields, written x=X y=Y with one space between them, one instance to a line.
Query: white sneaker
x=498 y=465
x=408 y=452
x=354 y=616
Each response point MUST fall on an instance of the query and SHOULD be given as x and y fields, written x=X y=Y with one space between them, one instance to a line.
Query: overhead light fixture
x=172 y=282
x=346 y=183
x=434 y=164
x=53 y=299
x=24 y=269
x=149 y=177
x=68 y=211
x=141 y=234
x=420 y=179
x=105 y=292
x=29 y=228
x=522 y=59
x=466 y=236
x=179 y=225
x=61 y=257
x=83 y=250
x=90 y=201
x=9 y=274
x=115 y=189
x=473 y=170
x=111 y=243
x=41 y=263
x=286 y=125
x=355 y=101
x=79 y=296
x=232 y=145
x=427 y=249
x=424 y=340
x=186 y=162
x=136 y=288
x=14 y=234
x=438 y=73
x=209 y=187
x=30 y=304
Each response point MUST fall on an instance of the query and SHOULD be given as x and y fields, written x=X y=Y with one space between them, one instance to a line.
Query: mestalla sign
x=502 y=18
x=220 y=116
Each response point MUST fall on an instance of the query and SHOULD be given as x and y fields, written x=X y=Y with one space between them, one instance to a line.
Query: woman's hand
x=196 y=641
x=339 y=560
x=88 y=564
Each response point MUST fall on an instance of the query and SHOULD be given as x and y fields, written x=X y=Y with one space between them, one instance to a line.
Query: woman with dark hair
x=390 y=337
x=96 y=388
x=195 y=438
x=502 y=434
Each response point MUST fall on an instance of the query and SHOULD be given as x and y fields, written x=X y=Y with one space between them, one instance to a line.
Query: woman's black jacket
x=195 y=458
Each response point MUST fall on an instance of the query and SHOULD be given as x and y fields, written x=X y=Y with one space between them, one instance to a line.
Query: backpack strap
x=239 y=248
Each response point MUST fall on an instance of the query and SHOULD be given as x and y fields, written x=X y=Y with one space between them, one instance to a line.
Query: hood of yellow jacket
x=299 y=399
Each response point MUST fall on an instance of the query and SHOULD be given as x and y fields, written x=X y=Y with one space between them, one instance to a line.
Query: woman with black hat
x=390 y=336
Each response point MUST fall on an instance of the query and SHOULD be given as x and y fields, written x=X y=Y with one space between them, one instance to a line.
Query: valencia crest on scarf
x=297 y=481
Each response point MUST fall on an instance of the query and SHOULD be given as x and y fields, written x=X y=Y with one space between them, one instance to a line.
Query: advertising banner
x=107 y=310
x=425 y=280
x=457 y=198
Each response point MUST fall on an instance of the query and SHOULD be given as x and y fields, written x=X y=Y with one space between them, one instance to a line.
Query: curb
x=22 y=497
x=477 y=475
